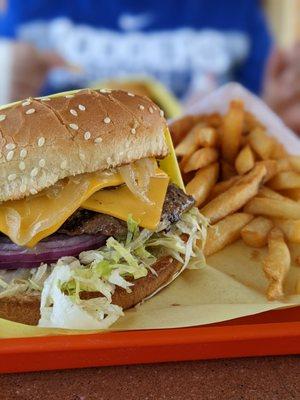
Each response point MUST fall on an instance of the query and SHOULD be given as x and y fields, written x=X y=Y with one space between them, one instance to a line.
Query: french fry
x=264 y=191
x=227 y=170
x=274 y=167
x=261 y=143
x=200 y=186
x=183 y=161
x=285 y=180
x=232 y=129
x=189 y=144
x=278 y=150
x=251 y=122
x=187 y=177
x=255 y=233
x=239 y=205
x=235 y=197
x=276 y=264
x=295 y=163
x=200 y=159
x=221 y=187
x=214 y=119
x=293 y=194
x=244 y=141
x=244 y=161
x=290 y=228
x=274 y=208
x=199 y=136
x=180 y=128
x=283 y=164
x=271 y=167
x=225 y=232
x=207 y=137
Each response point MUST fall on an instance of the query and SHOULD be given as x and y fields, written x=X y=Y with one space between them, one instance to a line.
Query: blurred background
x=174 y=51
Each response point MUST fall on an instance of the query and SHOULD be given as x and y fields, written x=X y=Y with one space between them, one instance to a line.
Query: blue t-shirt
x=182 y=42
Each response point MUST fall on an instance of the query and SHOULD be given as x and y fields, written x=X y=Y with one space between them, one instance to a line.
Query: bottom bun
x=25 y=309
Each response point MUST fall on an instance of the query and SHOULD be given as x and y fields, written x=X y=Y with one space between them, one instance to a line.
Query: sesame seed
x=161 y=113
x=23 y=153
x=42 y=162
x=130 y=94
x=133 y=131
x=41 y=141
x=45 y=99
x=10 y=155
x=151 y=110
x=105 y=90
x=2 y=117
x=69 y=96
x=30 y=111
x=141 y=107
x=87 y=135
x=11 y=177
x=74 y=126
x=74 y=112
x=81 y=107
x=33 y=191
x=63 y=164
x=81 y=156
x=106 y=120
x=22 y=165
x=34 y=172
x=108 y=173
x=26 y=103
x=10 y=146
x=109 y=160
x=23 y=188
x=98 y=140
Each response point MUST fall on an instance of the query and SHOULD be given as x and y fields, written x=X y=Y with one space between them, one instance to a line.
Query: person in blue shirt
x=190 y=45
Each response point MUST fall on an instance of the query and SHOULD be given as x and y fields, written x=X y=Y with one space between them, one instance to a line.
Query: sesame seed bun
x=45 y=140
x=25 y=309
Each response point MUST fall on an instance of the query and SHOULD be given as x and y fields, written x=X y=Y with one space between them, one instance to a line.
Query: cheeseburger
x=93 y=215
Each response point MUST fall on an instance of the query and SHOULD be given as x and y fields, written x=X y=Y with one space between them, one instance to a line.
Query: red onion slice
x=48 y=250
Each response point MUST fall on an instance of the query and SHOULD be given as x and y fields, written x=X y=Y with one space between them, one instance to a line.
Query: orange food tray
x=270 y=333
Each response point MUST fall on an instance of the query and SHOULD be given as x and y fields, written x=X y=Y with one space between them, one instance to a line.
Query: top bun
x=47 y=139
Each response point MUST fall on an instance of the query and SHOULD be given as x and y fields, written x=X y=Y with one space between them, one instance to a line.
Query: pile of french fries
x=245 y=183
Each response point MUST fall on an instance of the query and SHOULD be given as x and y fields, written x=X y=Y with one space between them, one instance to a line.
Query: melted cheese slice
x=121 y=202
x=29 y=220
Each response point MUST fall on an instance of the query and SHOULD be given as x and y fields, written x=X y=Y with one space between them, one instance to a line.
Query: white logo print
x=130 y=22
x=179 y=58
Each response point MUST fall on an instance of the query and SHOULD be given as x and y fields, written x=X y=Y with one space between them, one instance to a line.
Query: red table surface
x=266 y=378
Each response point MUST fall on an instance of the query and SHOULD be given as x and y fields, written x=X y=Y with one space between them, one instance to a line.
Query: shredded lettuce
x=101 y=271
x=68 y=311
x=132 y=230
x=184 y=240
x=29 y=281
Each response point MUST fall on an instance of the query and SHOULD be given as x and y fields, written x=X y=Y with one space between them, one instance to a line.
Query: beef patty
x=90 y=222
